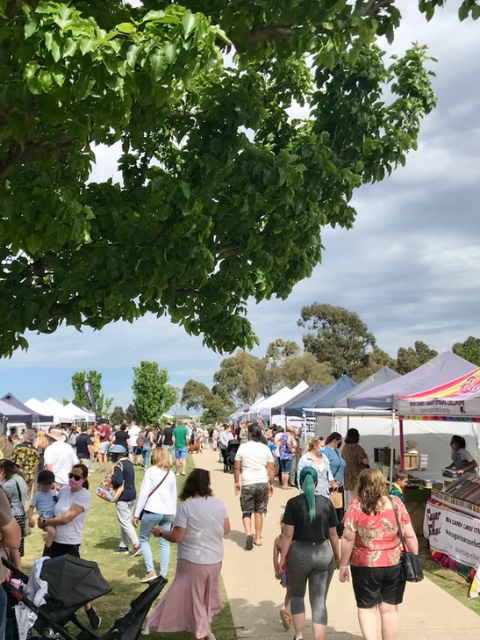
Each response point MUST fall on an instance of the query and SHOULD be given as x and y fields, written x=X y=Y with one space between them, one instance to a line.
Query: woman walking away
x=124 y=476
x=198 y=529
x=146 y=440
x=355 y=458
x=372 y=547
x=309 y=539
x=14 y=485
x=40 y=444
x=287 y=448
x=314 y=458
x=70 y=513
x=337 y=467
x=157 y=502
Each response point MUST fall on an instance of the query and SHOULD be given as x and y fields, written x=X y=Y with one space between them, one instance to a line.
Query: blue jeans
x=146 y=456
x=150 y=520
x=3 y=612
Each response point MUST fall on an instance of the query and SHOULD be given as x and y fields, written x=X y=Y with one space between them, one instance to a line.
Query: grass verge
x=448 y=580
x=100 y=537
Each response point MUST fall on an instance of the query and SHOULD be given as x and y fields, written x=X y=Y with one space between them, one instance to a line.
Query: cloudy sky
x=410 y=267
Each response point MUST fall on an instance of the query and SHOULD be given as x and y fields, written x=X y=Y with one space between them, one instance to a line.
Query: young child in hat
x=44 y=501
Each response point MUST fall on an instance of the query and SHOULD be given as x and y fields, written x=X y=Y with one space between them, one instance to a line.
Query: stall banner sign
x=452 y=533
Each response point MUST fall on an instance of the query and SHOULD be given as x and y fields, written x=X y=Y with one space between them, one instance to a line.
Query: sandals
x=286 y=619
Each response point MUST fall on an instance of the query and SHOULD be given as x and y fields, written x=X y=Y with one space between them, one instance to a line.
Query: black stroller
x=72 y=583
x=229 y=459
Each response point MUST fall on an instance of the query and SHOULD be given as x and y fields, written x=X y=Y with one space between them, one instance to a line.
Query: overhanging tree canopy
x=223 y=195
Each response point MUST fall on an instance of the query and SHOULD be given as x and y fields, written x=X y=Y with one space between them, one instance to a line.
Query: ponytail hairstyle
x=308 y=482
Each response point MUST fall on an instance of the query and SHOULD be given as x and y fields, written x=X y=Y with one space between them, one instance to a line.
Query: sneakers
x=121 y=550
x=150 y=577
x=93 y=618
x=178 y=473
x=135 y=551
x=249 y=543
x=183 y=473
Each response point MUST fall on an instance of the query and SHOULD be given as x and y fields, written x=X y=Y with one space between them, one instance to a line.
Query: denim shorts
x=285 y=466
x=181 y=454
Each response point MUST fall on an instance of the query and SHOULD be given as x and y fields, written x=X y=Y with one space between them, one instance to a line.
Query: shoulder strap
x=158 y=485
x=400 y=534
x=20 y=496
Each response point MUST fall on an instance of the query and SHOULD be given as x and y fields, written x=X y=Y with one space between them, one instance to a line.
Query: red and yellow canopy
x=456 y=400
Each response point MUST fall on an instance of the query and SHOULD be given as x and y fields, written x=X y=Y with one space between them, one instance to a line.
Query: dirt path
x=428 y=612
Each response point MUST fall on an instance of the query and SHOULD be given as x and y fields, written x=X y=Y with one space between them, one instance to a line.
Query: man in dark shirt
x=167 y=442
x=84 y=447
x=124 y=474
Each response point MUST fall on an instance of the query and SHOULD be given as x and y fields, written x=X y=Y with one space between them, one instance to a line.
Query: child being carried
x=44 y=501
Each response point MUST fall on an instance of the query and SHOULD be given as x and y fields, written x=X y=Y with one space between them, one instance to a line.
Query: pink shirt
x=376 y=541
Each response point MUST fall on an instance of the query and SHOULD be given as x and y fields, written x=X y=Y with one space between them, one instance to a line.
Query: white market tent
x=76 y=413
x=50 y=407
x=264 y=407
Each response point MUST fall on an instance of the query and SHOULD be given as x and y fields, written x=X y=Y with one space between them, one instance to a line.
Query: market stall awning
x=294 y=407
x=10 y=399
x=456 y=400
x=327 y=397
x=375 y=380
x=438 y=371
x=14 y=414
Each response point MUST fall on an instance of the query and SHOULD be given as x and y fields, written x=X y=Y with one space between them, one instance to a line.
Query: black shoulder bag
x=411 y=567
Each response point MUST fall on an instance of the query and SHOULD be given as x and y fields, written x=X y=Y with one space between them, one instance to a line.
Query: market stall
x=452 y=517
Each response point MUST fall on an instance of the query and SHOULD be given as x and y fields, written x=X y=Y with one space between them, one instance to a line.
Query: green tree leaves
x=152 y=395
x=206 y=216
x=469 y=350
x=95 y=379
x=337 y=336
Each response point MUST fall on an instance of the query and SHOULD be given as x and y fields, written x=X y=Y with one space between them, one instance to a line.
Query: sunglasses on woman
x=73 y=476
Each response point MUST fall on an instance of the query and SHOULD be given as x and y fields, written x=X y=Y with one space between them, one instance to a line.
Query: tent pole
x=392 y=444
x=402 y=445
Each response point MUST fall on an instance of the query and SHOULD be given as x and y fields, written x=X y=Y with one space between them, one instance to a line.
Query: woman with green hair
x=310 y=541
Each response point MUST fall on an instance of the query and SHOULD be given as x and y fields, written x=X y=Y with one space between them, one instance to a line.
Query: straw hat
x=56 y=434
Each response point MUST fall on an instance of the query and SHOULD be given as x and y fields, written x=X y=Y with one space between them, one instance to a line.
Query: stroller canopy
x=73 y=581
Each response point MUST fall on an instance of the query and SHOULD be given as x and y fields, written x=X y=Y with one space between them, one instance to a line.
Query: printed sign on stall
x=453 y=533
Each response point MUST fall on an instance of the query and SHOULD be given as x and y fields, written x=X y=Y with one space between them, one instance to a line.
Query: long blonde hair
x=6 y=447
x=161 y=459
x=41 y=439
x=371 y=490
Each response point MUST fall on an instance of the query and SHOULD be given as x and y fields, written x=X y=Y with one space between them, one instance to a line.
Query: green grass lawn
x=448 y=580
x=100 y=537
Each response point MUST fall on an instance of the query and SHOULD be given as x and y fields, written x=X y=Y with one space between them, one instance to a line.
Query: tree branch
x=270 y=33
x=19 y=156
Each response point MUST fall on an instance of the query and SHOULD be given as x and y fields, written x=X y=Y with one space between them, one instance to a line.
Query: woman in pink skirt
x=198 y=528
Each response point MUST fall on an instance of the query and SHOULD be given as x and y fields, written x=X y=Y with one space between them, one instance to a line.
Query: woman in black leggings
x=311 y=549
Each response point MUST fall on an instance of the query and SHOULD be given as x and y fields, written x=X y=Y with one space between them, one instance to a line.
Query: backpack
x=140 y=440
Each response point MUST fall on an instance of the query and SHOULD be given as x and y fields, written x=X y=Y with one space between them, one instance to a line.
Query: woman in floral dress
x=372 y=548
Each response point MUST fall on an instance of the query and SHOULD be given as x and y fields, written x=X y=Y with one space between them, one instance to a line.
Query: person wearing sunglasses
x=70 y=512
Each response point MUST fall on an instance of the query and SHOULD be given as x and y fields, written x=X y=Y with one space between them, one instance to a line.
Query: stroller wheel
x=47 y=632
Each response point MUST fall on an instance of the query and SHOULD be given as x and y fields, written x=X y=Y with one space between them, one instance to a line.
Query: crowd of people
x=341 y=518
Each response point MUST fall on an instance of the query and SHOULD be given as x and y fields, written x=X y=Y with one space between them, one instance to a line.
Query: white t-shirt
x=133 y=435
x=71 y=533
x=203 y=518
x=62 y=458
x=254 y=457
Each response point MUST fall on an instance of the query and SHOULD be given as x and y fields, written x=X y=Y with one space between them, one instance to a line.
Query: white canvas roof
x=50 y=407
x=79 y=414
x=264 y=407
